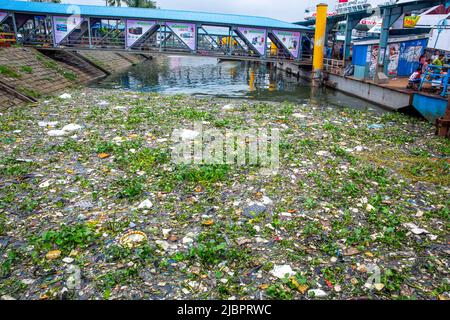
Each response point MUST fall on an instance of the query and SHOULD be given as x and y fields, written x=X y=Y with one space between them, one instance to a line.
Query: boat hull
x=430 y=107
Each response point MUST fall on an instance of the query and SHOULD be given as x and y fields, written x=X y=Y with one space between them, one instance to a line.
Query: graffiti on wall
x=410 y=53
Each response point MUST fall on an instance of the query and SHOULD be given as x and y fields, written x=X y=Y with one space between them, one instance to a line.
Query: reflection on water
x=227 y=79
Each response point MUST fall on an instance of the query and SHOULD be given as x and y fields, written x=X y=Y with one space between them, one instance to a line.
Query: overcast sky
x=287 y=10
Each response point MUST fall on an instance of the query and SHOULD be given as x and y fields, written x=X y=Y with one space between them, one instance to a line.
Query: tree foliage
x=133 y=3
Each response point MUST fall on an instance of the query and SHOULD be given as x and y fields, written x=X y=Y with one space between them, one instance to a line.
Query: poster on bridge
x=63 y=26
x=186 y=32
x=257 y=37
x=3 y=16
x=136 y=29
x=290 y=40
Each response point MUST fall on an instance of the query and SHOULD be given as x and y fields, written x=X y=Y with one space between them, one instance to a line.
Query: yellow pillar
x=319 y=41
x=251 y=81
x=273 y=49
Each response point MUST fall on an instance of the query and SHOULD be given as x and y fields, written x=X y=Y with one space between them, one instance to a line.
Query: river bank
x=357 y=193
x=28 y=74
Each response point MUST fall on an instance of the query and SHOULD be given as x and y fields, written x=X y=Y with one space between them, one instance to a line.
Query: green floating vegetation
x=66 y=238
x=202 y=173
x=415 y=167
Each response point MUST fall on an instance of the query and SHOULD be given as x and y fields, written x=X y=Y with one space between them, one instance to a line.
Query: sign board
x=290 y=40
x=136 y=29
x=63 y=26
x=410 y=22
x=3 y=16
x=439 y=39
x=186 y=32
x=257 y=37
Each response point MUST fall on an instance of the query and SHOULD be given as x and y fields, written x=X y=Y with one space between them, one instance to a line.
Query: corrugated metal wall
x=359 y=55
x=402 y=58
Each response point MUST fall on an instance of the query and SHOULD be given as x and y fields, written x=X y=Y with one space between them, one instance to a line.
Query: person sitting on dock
x=425 y=65
x=440 y=61
x=435 y=55
x=415 y=79
x=422 y=60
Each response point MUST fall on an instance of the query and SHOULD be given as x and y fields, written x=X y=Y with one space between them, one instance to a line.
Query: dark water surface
x=200 y=76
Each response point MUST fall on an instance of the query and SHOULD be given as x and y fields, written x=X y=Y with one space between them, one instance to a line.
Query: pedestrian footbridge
x=79 y=27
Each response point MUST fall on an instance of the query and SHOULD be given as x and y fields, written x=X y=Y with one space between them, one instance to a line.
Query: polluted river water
x=225 y=79
x=93 y=206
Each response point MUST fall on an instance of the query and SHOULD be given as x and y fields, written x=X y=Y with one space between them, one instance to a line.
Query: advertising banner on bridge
x=136 y=29
x=184 y=31
x=63 y=26
x=3 y=16
x=257 y=37
x=290 y=40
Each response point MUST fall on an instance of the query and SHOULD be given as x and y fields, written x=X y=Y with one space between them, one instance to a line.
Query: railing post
x=196 y=37
x=89 y=32
x=300 y=48
x=14 y=26
x=230 y=40
x=265 y=44
x=53 y=32
x=163 y=37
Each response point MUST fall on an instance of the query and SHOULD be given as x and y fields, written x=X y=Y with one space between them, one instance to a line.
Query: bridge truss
x=54 y=29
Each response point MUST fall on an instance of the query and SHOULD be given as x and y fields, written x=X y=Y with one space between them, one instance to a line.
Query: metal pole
x=14 y=26
x=230 y=41
x=89 y=32
x=348 y=38
x=196 y=37
x=265 y=44
x=53 y=32
x=379 y=76
x=34 y=28
x=300 y=48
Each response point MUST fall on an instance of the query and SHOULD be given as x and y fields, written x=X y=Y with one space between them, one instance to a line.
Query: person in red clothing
x=414 y=79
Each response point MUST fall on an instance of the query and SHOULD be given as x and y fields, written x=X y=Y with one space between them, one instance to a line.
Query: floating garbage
x=282 y=271
x=48 y=124
x=375 y=126
x=316 y=293
x=146 y=204
x=133 y=239
x=52 y=255
x=72 y=127
x=187 y=134
x=65 y=96
x=57 y=133
x=308 y=227
x=228 y=107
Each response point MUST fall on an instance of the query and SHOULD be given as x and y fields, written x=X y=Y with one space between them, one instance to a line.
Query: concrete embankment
x=27 y=74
